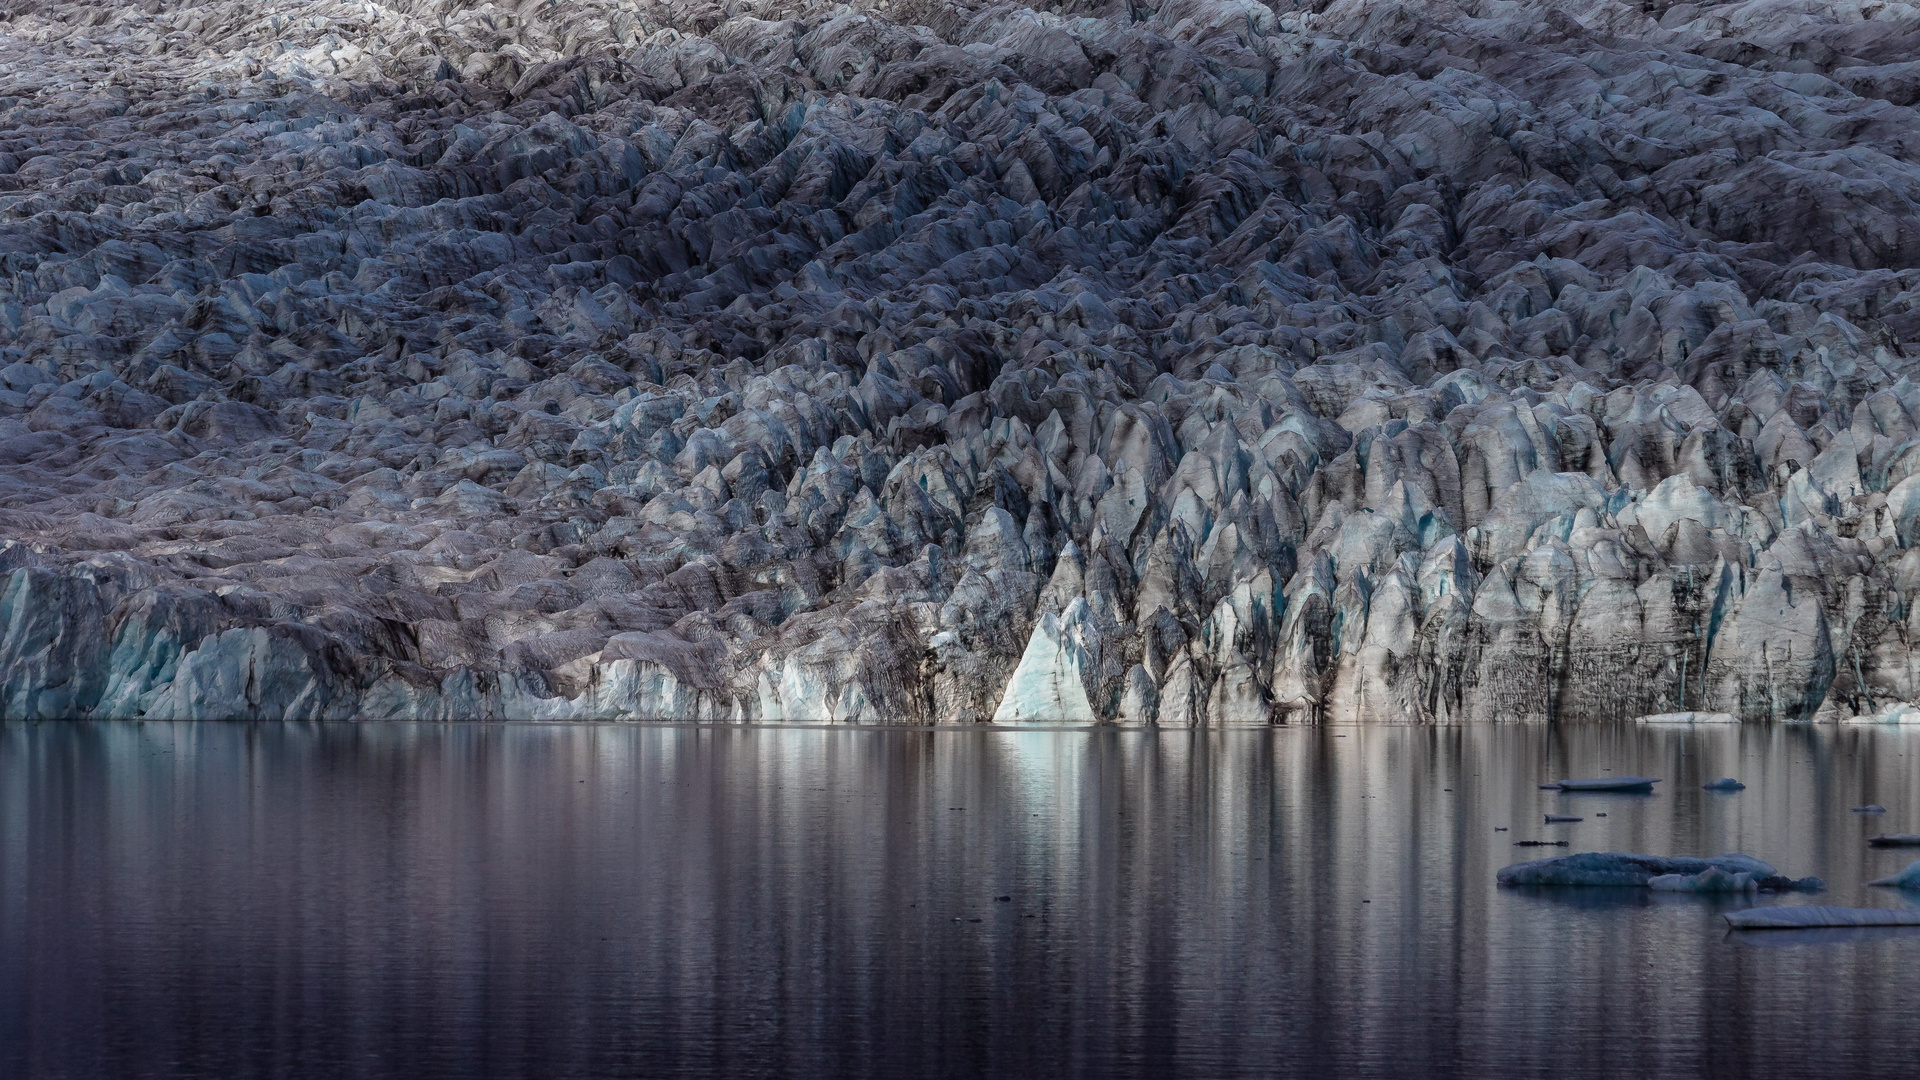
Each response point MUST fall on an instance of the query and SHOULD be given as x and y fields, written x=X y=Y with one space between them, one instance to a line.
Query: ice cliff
x=1202 y=362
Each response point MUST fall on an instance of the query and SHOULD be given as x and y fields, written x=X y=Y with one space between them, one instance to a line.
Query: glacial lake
x=502 y=900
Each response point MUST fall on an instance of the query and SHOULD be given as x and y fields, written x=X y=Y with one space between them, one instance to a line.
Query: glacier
x=1189 y=363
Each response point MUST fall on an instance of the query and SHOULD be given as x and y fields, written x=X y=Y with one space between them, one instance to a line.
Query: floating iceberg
x=1725 y=783
x=1688 y=718
x=1607 y=783
x=1905 y=879
x=1562 y=819
x=1870 y=808
x=1899 y=839
x=1614 y=868
x=1795 y=918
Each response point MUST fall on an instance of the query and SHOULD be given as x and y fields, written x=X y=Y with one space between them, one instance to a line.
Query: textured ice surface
x=1710 y=880
x=1725 y=783
x=789 y=360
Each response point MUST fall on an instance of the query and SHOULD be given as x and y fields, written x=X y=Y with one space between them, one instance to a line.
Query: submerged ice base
x=1617 y=869
x=1796 y=918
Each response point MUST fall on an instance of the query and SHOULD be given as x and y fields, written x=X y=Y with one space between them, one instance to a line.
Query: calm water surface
x=398 y=900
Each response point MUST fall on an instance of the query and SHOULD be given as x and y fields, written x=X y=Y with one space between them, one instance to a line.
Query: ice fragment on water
x=1610 y=783
x=1688 y=718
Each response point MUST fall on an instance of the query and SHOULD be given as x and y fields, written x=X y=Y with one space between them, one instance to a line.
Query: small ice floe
x=1905 y=879
x=1894 y=712
x=1899 y=839
x=1796 y=918
x=1614 y=868
x=1541 y=843
x=1870 y=808
x=1561 y=819
x=1688 y=718
x=1606 y=783
x=1725 y=783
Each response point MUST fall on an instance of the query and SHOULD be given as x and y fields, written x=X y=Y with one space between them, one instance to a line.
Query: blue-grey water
x=401 y=900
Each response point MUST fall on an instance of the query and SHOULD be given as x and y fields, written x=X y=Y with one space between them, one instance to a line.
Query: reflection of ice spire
x=1044 y=772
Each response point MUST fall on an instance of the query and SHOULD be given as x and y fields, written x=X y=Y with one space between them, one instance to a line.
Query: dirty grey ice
x=1209 y=362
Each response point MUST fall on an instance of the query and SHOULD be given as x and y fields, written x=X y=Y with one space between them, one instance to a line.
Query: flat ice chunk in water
x=1905 y=879
x=1795 y=918
x=1614 y=868
x=1688 y=718
x=1609 y=783
x=1899 y=839
x=1725 y=783
x=1870 y=808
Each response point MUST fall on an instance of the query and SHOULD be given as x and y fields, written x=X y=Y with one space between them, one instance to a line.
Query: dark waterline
x=400 y=900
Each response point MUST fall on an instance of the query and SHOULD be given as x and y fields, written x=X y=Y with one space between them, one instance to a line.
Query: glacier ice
x=1182 y=362
x=1896 y=712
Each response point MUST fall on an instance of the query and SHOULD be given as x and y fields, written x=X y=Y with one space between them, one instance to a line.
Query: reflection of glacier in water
x=1043 y=770
x=719 y=901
